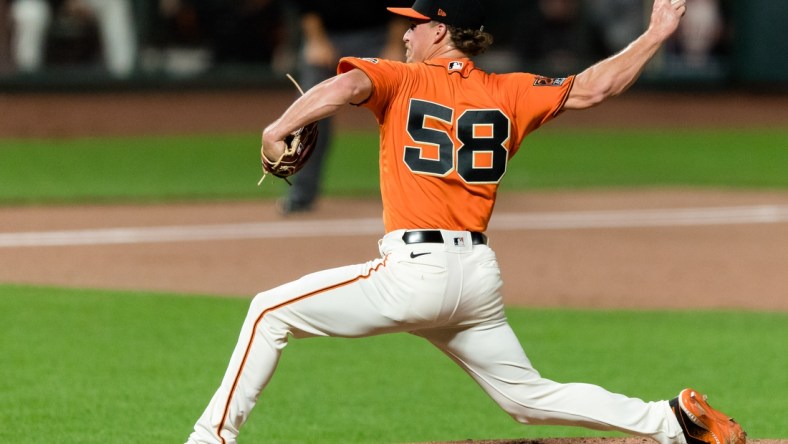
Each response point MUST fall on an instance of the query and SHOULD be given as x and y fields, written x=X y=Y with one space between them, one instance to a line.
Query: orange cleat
x=702 y=424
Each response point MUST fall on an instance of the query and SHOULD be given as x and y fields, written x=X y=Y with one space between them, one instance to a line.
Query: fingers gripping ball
x=299 y=146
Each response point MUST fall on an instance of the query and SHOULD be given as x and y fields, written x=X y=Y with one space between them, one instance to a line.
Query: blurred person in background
x=617 y=21
x=31 y=21
x=555 y=38
x=330 y=32
x=700 y=32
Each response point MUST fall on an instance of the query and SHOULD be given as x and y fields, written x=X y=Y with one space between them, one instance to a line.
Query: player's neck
x=447 y=52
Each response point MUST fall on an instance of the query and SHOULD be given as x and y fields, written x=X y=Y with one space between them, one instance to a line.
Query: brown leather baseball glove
x=298 y=148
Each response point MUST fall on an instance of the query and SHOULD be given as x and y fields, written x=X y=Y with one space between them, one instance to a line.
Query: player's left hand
x=287 y=155
x=295 y=149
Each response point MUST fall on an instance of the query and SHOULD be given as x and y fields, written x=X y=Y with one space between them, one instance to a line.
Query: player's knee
x=263 y=315
x=524 y=409
x=525 y=417
x=517 y=411
x=261 y=301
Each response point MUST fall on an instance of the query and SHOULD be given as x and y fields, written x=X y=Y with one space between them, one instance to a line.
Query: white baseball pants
x=450 y=296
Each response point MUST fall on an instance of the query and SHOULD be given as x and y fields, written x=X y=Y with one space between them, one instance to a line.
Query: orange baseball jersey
x=447 y=132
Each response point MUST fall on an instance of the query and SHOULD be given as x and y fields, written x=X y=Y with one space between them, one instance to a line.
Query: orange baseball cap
x=466 y=14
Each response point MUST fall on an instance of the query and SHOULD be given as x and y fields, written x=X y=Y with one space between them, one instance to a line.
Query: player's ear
x=440 y=31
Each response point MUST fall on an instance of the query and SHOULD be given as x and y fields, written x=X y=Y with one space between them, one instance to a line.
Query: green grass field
x=117 y=367
x=120 y=367
x=155 y=169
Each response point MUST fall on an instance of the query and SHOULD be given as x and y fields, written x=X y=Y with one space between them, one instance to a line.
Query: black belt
x=435 y=237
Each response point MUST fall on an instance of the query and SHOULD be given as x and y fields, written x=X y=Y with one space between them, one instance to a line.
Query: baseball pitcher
x=447 y=132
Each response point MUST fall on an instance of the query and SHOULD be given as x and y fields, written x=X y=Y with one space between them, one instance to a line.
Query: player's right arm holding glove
x=616 y=74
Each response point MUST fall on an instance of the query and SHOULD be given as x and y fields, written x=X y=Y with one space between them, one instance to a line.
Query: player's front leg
x=340 y=302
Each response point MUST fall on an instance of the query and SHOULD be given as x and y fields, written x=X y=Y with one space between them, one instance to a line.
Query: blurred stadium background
x=117 y=355
x=241 y=43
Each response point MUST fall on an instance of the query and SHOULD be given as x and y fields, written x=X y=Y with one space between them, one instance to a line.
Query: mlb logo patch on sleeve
x=548 y=81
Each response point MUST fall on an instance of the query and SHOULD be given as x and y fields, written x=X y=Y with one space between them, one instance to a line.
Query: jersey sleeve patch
x=549 y=81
